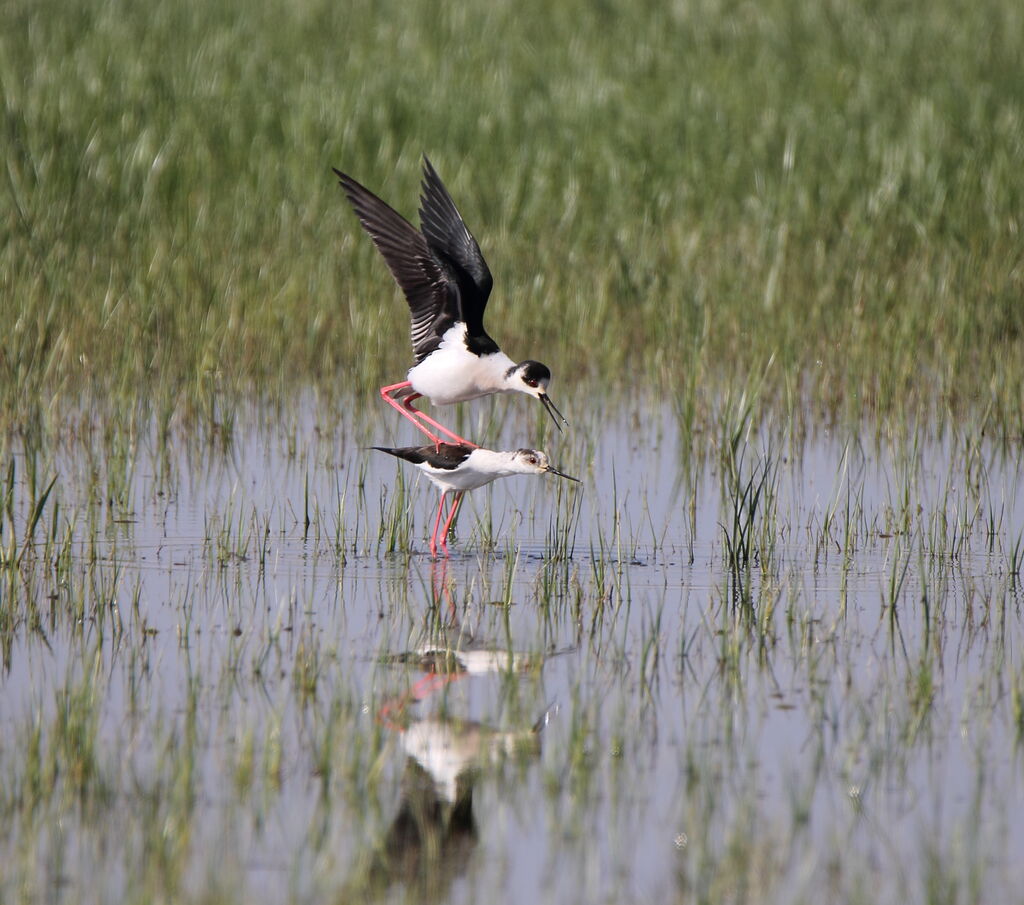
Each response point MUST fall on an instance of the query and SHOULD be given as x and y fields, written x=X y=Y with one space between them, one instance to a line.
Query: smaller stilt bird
x=446 y=282
x=456 y=468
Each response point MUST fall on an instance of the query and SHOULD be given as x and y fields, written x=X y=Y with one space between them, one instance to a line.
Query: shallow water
x=206 y=698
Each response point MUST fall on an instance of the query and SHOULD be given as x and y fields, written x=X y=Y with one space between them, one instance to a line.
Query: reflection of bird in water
x=443 y=664
x=469 y=659
x=429 y=842
x=451 y=750
x=455 y=468
x=433 y=834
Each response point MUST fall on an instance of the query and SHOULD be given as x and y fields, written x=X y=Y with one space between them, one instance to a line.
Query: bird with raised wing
x=446 y=282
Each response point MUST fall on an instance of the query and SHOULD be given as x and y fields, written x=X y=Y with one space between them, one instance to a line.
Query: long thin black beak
x=562 y=474
x=552 y=410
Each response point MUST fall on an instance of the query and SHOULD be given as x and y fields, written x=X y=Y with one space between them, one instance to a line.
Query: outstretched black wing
x=432 y=293
x=457 y=252
x=447 y=456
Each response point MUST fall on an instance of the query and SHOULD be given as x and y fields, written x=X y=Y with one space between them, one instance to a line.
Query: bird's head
x=532 y=378
x=533 y=461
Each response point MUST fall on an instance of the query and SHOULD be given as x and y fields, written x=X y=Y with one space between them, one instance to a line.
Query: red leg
x=431 y=682
x=406 y=410
x=456 y=503
x=439 y=581
x=393 y=709
x=409 y=400
x=437 y=524
x=439 y=589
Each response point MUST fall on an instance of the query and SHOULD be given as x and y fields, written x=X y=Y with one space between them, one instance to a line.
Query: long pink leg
x=406 y=410
x=437 y=524
x=439 y=581
x=451 y=518
x=439 y=588
x=431 y=682
x=421 y=688
x=409 y=400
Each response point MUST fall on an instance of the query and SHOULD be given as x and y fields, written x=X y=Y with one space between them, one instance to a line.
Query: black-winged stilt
x=456 y=468
x=446 y=282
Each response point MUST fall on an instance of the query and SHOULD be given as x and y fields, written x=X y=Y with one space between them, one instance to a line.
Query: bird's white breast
x=453 y=374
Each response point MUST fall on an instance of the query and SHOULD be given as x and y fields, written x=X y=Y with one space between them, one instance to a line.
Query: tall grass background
x=668 y=194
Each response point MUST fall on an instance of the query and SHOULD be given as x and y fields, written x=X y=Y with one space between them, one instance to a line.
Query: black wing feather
x=455 y=249
x=447 y=456
x=432 y=294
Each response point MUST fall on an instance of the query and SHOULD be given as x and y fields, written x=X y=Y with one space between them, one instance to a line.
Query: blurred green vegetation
x=667 y=193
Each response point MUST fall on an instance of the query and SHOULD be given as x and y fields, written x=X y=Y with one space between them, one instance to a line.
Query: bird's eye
x=530 y=382
x=532 y=460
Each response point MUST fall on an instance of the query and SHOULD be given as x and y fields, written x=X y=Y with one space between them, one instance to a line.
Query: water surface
x=781 y=673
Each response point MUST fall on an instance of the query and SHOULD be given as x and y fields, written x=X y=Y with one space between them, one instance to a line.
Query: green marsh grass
x=667 y=195
x=784 y=241
x=670 y=700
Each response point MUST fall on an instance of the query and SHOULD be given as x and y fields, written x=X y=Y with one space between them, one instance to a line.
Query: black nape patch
x=534 y=370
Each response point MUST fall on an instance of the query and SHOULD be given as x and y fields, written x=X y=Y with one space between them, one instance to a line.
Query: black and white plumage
x=447 y=283
x=456 y=468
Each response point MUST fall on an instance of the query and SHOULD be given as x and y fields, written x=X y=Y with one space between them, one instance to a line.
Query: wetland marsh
x=768 y=652
x=786 y=671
